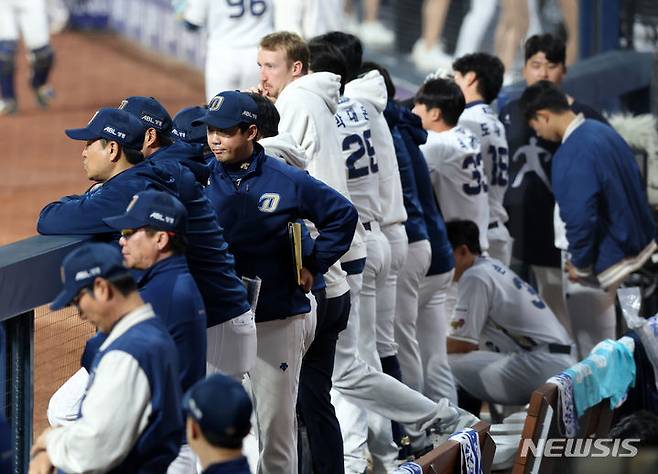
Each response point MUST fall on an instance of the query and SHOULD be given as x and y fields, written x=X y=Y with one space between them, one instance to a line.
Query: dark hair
x=268 y=116
x=328 y=58
x=543 y=95
x=177 y=242
x=350 y=46
x=642 y=425
x=134 y=157
x=163 y=139
x=368 y=66
x=552 y=47
x=123 y=282
x=463 y=232
x=442 y=94
x=488 y=69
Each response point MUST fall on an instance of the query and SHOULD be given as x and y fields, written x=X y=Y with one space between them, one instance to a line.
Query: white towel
x=470 y=446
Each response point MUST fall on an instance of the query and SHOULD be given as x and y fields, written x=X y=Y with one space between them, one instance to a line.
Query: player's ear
x=297 y=68
x=435 y=114
x=113 y=150
x=150 y=137
x=470 y=77
x=192 y=429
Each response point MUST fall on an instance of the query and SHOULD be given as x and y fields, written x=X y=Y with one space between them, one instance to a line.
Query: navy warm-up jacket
x=255 y=217
x=598 y=186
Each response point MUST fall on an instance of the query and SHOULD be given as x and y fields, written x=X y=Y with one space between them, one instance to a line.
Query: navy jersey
x=170 y=288
x=255 y=216
x=236 y=466
x=529 y=200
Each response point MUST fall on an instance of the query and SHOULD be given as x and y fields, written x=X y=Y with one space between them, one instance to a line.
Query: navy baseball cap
x=112 y=124
x=228 y=109
x=149 y=111
x=183 y=128
x=220 y=405
x=156 y=209
x=82 y=266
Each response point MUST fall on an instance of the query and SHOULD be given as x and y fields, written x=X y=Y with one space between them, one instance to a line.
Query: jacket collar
x=255 y=167
x=176 y=262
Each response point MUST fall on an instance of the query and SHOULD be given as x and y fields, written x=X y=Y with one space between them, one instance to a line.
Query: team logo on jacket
x=268 y=202
x=457 y=323
x=215 y=103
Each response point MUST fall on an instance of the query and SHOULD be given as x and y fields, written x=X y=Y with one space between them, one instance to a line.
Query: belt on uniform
x=493 y=225
x=559 y=348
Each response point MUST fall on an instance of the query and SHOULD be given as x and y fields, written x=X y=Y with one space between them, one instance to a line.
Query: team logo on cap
x=215 y=103
x=132 y=203
x=123 y=104
x=93 y=117
x=84 y=274
x=158 y=216
x=268 y=202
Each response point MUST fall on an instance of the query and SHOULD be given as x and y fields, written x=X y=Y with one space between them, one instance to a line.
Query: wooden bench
x=541 y=423
x=446 y=458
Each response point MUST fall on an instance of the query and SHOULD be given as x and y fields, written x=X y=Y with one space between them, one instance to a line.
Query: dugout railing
x=29 y=279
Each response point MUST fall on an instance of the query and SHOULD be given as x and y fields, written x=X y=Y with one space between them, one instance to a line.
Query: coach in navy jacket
x=596 y=182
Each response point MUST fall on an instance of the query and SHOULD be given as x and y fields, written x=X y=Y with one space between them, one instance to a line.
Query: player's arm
x=334 y=217
x=83 y=214
x=576 y=189
x=470 y=315
x=112 y=419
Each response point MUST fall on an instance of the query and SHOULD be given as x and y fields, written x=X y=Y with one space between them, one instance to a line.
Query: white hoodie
x=307 y=107
x=370 y=90
x=284 y=147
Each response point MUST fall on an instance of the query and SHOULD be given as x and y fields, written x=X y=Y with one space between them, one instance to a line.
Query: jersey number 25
x=363 y=145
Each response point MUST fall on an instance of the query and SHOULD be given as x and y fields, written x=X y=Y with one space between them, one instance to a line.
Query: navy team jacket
x=170 y=288
x=211 y=263
x=159 y=443
x=255 y=217
x=236 y=466
x=415 y=224
x=597 y=183
x=413 y=136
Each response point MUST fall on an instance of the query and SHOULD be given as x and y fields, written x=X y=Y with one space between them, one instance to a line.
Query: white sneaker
x=376 y=35
x=8 y=106
x=430 y=60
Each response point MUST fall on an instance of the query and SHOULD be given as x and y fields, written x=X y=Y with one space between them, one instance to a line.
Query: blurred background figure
x=27 y=19
x=428 y=54
x=58 y=15
x=371 y=30
x=308 y=18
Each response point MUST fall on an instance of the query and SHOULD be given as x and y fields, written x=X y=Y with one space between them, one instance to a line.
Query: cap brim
x=63 y=299
x=81 y=134
x=123 y=222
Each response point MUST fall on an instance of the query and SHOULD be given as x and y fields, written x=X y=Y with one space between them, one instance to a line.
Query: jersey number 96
x=239 y=7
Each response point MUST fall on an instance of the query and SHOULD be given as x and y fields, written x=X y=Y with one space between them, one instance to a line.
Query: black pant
x=314 y=401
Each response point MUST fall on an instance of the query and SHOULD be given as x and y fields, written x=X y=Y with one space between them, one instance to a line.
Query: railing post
x=20 y=336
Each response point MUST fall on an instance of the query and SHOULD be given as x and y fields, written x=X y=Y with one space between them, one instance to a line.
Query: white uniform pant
x=386 y=298
x=230 y=69
x=508 y=379
x=185 y=462
x=358 y=389
x=26 y=18
x=550 y=288
x=232 y=346
x=500 y=243
x=378 y=265
x=432 y=331
x=274 y=384
x=591 y=314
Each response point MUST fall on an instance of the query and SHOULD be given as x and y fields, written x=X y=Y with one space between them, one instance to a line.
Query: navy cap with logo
x=229 y=109
x=183 y=128
x=149 y=111
x=112 y=124
x=82 y=266
x=156 y=209
x=221 y=407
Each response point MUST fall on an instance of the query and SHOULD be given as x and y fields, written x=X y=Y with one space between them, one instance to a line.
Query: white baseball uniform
x=483 y=122
x=458 y=178
x=521 y=342
x=27 y=18
x=308 y=18
x=234 y=29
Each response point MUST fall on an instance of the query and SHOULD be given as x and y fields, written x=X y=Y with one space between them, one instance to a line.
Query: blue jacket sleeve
x=83 y=214
x=334 y=217
x=577 y=191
